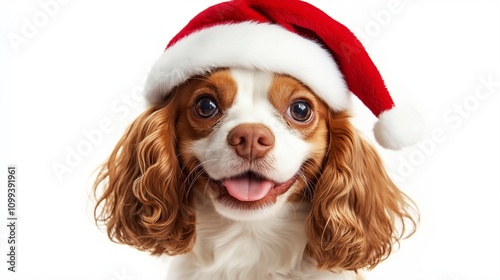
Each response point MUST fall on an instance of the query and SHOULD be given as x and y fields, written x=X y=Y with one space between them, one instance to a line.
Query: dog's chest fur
x=270 y=249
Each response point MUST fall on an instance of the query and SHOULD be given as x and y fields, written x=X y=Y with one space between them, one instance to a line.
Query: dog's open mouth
x=251 y=187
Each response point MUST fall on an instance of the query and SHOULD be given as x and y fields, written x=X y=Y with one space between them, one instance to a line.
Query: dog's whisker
x=193 y=176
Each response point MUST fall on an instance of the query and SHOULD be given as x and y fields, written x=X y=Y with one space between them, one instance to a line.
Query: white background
x=82 y=63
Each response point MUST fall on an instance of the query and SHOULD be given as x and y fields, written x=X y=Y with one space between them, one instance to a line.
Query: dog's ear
x=142 y=202
x=356 y=208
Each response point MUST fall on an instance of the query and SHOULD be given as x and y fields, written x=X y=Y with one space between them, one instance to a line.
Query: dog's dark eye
x=206 y=107
x=300 y=111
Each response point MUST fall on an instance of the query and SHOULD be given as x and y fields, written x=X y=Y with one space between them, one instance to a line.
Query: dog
x=247 y=174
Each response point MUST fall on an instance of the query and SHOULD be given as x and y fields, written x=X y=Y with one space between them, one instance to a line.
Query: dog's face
x=253 y=139
x=250 y=143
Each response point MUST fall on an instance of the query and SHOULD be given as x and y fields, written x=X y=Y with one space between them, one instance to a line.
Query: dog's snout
x=251 y=141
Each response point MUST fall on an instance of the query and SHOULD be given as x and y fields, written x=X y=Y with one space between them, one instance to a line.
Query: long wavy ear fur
x=142 y=202
x=357 y=213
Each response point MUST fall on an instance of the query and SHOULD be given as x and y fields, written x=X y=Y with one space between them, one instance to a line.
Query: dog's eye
x=300 y=111
x=206 y=107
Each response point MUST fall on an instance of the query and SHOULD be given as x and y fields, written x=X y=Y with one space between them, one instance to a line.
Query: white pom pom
x=398 y=128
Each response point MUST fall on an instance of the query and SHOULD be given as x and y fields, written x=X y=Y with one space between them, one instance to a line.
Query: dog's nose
x=251 y=141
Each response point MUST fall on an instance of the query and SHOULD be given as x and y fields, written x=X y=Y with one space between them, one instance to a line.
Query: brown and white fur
x=331 y=211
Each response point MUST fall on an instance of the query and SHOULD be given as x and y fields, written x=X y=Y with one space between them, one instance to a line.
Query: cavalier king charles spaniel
x=247 y=174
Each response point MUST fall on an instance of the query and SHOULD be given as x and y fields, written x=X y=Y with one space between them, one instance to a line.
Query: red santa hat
x=290 y=37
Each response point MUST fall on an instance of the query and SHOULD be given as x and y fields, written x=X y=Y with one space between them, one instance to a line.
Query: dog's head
x=250 y=142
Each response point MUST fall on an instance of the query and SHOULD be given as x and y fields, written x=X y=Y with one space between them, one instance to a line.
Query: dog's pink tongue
x=247 y=188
